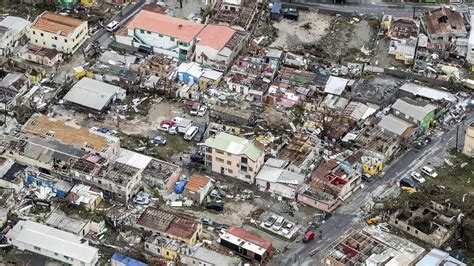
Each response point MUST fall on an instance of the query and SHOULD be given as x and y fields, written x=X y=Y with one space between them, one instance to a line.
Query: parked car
x=200 y=134
x=202 y=111
x=167 y=122
x=417 y=177
x=278 y=223
x=429 y=171
x=142 y=198
x=223 y=227
x=287 y=228
x=367 y=178
x=164 y=127
x=191 y=132
x=270 y=221
x=194 y=109
x=177 y=120
x=112 y=26
x=217 y=206
x=291 y=13
x=173 y=130
x=207 y=221
x=308 y=236
x=159 y=140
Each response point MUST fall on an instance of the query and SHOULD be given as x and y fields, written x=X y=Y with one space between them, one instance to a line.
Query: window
x=37 y=248
x=36 y=41
x=149 y=32
x=142 y=31
x=167 y=253
x=219 y=160
x=229 y=163
x=230 y=171
x=243 y=168
x=172 y=39
x=243 y=160
x=54 y=38
x=408 y=228
x=250 y=169
x=147 y=246
x=56 y=254
x=44 y=43
x=34 y=32
x=65 y=40
x=416 y=231
x=66 y=257
x=41 y=34
x=219 y=151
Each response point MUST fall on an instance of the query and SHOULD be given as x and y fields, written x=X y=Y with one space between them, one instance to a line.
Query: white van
x=191 y=132
x=112 y=26
x=278 y=224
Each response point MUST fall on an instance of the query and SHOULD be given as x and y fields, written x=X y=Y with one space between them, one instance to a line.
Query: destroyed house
x=59 y=187
x=383 y=144
x=170 y=225
x=235 y=12
x=12 y=87
x=371 y=246
x=418 y=113
x=36 y=151
x=274 y=178
x=246 y=244
x=161 y=174
x=299 y=150
x=114 y=74
x=197 y=187
x=12 y=29
x=37 y=54
x=240 y=83
x=71 y=134
x=403 y=28
x=11 y=174
x=63 y=33
x=242 y=117
x=444 y=25
x=117 y=180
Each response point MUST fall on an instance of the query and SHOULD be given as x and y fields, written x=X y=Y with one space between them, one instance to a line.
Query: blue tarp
x=127 y=260
x=180 y=187
x=276 y=8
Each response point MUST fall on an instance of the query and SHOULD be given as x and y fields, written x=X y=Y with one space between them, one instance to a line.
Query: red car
x=168 y=122
x=308 y=236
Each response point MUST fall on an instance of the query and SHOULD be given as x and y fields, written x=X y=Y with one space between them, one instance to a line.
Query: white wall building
x=52 y=243
x=470 y=44
x=11 y=30
x=166 y=35
x=63 y=33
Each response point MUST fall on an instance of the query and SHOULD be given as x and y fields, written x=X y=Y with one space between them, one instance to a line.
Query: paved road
x=349 y=215
x=402 y=10
x=103 y=35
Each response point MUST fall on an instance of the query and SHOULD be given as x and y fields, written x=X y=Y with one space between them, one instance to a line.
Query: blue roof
x=127 y=260
x=276 y=8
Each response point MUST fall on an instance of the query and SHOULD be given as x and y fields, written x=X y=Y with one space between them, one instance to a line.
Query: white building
x=470 y=44
x=218 y=46
x=52 y=243
x=63 y=33
x=166 y=35
x=11 y=30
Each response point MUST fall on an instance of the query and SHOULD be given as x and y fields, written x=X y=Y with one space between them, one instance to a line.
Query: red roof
x=215 y=36
x=325 y=168
x=250 y=237
x=181 y=29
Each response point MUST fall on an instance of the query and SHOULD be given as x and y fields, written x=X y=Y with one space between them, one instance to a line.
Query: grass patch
x=454 y=187
x=175 y=144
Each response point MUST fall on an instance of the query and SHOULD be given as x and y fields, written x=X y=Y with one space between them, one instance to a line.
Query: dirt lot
x=310 y=28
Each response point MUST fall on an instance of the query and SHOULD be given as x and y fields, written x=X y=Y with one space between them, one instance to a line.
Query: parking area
x=279 y=225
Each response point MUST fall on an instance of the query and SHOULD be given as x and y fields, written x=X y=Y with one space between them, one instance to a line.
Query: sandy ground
x=310 y=28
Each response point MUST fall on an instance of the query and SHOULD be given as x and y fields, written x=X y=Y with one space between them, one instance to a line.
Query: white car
x=278 y=223
x=287 y=228
x=177 y=120
x=429 y=171
x=417 y=177
x=173 y=130
x=164 y=127
x=202 y=111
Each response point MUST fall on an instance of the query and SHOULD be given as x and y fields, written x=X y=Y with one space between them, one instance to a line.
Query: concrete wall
x=324 y=206
x=66 y=44
x=469 y=141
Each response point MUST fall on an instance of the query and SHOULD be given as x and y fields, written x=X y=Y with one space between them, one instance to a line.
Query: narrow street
x=349 y=215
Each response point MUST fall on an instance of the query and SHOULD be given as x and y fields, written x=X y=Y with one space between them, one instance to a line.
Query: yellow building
x=469 y=141
x=63 y=33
